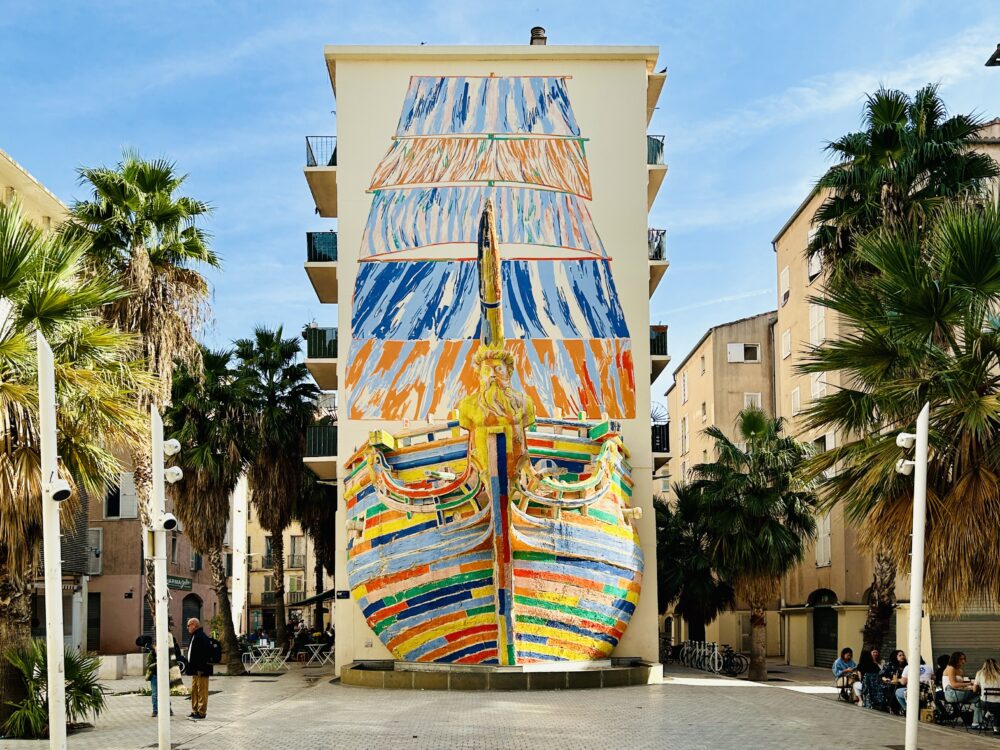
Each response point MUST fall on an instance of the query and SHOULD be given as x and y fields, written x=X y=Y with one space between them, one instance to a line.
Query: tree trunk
x=230 y=648
x=278 y=566
x=758 y=644
x=696 y=630
x=881 y=601
x=15 y=628
x=142 y=473
x=318 y=611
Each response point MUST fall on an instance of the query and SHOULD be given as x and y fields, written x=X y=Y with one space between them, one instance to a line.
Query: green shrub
x=84 y=694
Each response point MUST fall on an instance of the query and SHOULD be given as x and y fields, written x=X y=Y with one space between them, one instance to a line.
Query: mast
x=490 y=296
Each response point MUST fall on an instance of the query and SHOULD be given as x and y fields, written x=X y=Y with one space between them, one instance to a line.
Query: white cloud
x=715 y=301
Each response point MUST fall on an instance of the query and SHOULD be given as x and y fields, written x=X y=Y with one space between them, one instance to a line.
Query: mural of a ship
x=502 y=534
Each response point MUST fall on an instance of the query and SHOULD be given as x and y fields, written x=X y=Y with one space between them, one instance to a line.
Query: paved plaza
x=302 y=709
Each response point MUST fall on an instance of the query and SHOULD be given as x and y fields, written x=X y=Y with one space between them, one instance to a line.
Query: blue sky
x=228 y=90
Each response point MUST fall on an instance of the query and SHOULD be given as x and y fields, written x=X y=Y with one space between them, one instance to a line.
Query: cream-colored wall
x=609 y=102
x=726 y=629
x=39 y=205
x=799 y=638
x=701 y=387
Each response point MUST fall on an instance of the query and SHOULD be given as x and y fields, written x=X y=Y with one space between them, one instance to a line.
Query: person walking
x=200 y=666
x=151 y=669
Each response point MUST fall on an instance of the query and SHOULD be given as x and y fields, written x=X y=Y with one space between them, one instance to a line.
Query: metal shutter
x=976 y=632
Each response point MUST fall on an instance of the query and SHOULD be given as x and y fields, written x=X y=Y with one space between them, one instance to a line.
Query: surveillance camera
x=166 y=522
x=173 y=474
x=904 y=467
x=60 y=490
x=171 y=448
x=905 y=440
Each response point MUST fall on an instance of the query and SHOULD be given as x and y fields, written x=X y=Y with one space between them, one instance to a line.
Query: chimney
x=538 y=35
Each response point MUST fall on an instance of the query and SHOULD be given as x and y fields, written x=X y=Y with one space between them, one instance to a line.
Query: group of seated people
x=882 y=685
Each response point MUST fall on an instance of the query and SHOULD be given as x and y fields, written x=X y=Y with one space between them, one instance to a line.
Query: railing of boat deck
x=321 y=150
x=661 y=438
x=321 y=343
x=658 y=341
x=321 y=440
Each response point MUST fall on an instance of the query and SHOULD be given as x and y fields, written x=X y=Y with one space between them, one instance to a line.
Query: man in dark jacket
x=199 y=667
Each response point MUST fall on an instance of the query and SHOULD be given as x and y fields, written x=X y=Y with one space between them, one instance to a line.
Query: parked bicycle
x=733 y=663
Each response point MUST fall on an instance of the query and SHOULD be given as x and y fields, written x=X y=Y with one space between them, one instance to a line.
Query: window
x=702 y=364
x=817 y=384
x=743 y=352
x=786 y=344
x=120 y=502
x=817 y=324
x=268 y=583
x=704 y=456
x=704 y=411
x=684 y=471
x=684 y=435
x=823 y=540
x=229 y=565
x=784 y=286
x=815 y=266
x=297 y=559
x=752 y=400
x=796 y=401
x=684 y=387
x=742 y=445
x=113 y=503
x=173 y=550
x=196 y=561
x=95 y=544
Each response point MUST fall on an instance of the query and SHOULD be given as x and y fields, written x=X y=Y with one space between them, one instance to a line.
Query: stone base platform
x=618 y=672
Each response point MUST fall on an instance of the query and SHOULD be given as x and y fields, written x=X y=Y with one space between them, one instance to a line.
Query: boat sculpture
x=497 y=537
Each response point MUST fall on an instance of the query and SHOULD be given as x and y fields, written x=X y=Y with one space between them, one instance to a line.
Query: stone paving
x=690 y=711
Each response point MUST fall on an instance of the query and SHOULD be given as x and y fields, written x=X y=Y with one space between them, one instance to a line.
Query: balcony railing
x=268 y=598
x=267 y=562
x=296 y=561
x=294 y=597
x=321 y=150
x=321 y=440
x=657 y=244
x=321 y=247
x=321 y=343
x=661 y=438
x=654 y=148
x=658 y=341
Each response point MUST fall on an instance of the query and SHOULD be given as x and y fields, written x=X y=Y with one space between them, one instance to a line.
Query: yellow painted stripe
x=428 y=635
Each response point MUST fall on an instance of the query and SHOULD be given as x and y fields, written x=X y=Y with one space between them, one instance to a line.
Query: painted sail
x=462 y=142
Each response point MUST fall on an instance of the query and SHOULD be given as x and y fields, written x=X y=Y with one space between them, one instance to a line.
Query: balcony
x=321 y=450
x=321 y=356
x=268 y=598
x=321 y=264
x=321 y=173
x=267 y=562
x=296 y=561
x=657 y=168
x=661 y=444
x=654 y=85
x=657 y=351
x=294 y=597
x=658 y=262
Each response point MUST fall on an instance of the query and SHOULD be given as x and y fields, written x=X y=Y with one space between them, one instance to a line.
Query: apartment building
x=304 y=580
x=388 y=380
x=729 y=369
x=824 y=599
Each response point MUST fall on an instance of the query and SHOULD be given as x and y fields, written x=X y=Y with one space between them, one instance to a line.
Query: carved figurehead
x=495 y=406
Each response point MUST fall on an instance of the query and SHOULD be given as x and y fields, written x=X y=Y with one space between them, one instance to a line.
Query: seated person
x=890 y=675
x=926 y=678
x=988 y=678
x=845 y=670
x=960 y=689
x=872 y=692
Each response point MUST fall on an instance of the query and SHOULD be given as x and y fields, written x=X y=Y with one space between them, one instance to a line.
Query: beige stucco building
x=824 y=599
x=613 y=93
x=730 y=368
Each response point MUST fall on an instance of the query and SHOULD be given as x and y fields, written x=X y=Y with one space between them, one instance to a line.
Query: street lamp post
x=54 y=491
x=161 y=522
x=918 y=466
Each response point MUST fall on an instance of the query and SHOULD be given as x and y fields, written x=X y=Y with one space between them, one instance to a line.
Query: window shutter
x=784 y=285
x=796 y=401
x=734 y=352
x=95 y=543
x=817 y=384
x=823 y=546
x=786 y=344
x=126 y=488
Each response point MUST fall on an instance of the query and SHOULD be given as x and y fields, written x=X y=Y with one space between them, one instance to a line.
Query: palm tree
x=209 y=416
x=316 y=511
x=924 y=328
x=283 y=401
x=910 y=159
x=687 y=576
x=760 y=514
x=147 y=237
x=43 y=287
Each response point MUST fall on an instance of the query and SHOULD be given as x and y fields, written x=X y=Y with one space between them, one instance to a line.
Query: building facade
x=379 y=178
x=729 y=369
x=825 y=598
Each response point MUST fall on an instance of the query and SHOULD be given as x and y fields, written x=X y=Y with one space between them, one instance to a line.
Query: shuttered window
x=126 y=487
x=817 y=324
x=823 y=540
x=95 y=548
